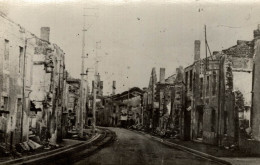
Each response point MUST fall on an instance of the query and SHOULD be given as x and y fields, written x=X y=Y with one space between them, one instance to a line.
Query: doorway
x=187 y=121
x=200 y=122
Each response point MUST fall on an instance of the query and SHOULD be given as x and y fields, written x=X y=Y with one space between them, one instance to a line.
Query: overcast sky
x=136 y=35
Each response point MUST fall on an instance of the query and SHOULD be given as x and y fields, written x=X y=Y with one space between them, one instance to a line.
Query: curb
x=63 y=152
x=183 y=148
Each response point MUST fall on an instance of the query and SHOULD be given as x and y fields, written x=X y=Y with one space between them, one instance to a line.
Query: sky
x=135 y=36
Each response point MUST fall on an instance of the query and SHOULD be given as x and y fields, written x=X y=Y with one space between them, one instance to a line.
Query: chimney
x=45 y=33
x=257 y=32
x=215 y=53
x=240 y=42
x=114 y=88
x=98 y=83
x=93 y=84
x=98 y=77
x=177 y=70
x=162 y=75
x=101 y=88
x=197 y=50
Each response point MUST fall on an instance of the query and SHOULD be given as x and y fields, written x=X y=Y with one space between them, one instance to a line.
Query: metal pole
x=219 y=103
x=206 y=47
x=95 y=94
x=152 y=100
x=94 y=107
x=23 y=90
x=128 y=108
x=82 y=79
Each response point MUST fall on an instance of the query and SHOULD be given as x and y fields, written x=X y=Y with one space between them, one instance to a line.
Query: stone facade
x=164 y=112
x=13 y=77
x=122 y=110
x=33 y=83
x=149 y=103
x=72 y=102
x=254 y=119
x=213 y=89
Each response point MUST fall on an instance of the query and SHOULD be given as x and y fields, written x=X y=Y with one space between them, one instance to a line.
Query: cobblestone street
x=135 y=149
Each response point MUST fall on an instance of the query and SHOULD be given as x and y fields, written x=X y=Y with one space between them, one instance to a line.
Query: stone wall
x=12 y=47
x=256 y=95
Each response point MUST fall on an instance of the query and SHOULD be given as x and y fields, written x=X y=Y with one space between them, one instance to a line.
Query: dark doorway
x=200 y=121
x=187 y=121
x=89 y=122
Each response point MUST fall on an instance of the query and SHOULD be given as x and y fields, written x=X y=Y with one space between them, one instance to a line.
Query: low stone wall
x=250 y=146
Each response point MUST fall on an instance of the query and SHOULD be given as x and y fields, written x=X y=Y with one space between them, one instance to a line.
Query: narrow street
x=127 y=82
x=133 y=148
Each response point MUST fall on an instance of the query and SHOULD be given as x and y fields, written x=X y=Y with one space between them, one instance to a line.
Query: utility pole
x=219 y=85
x=23 y=92
x=95 y=91
x=23 y=89
x=206 y=47
x=82 y=78
x=128 y=123
x=152 y=99
x=82 y=85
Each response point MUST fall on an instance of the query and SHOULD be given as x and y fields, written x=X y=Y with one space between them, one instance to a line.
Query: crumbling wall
x=11 y=81
x=256 y=94
x=229 y=128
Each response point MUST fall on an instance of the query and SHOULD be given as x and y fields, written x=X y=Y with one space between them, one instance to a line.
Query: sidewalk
x=66 y=144
x=234 y=157
x=212 y=152
x=211 y=149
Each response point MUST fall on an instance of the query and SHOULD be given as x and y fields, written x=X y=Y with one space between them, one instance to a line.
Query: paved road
x=132 y=148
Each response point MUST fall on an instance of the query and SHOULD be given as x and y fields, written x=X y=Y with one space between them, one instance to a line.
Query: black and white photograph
x=129 y=82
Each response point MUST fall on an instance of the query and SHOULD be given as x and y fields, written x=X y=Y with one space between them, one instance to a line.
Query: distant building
x=72 y=102
x=123 y=109
x=163 y=100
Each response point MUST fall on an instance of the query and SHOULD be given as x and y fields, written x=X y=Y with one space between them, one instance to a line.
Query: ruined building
x=33 y=81
x=149 y=103
x=216 y=94
x=251 y=110
x=72 y=103
x=167 y=98
x=15 y=82
x=123 y=109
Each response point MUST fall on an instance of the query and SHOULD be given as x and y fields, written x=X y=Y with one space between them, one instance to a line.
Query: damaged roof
x=242 y=49
x=133 y=92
